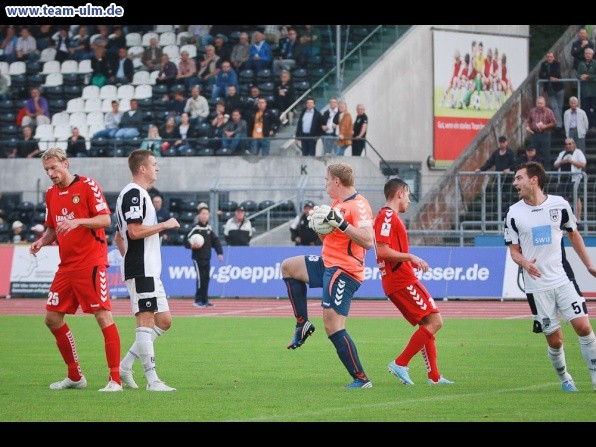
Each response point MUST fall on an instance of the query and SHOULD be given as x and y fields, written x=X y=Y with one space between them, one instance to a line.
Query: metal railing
x=482 y=199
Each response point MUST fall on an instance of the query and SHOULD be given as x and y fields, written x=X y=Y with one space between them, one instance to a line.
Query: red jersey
x=390 y=230
x=338 y=249
x=82 y=247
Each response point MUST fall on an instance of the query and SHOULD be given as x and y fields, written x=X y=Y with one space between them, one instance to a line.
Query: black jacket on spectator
x=128 y=121
x=211 y=241
x=270 y=122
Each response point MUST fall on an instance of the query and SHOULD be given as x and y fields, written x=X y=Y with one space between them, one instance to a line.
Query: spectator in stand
x=209 y=67
x=169 y=133
x=573 y=161
x=308 y=128
x=240 y=52
x=329 y=125
x=131 y=123
x=187 y=134
x=233 y=100
x=80 y=45
x=197 y=106
x=112 y=122
x=37 y=110
x=187 y=71
x=62 y=41
x=222 y=47
x=288 y=53
x=300 y=231
x=162 y=214
x=76 y=146
x=218 y=123
x=152 y=142
x=310 y=38
x=529 y=155
x=502 y=158
x=167 y=72
x=9 y=45
x=225 y=77
x=152 y=56
x=586 y=73
x=344 y=128
x=259 y=54
x=43 y=35
x=250 y=101
x=28 y=147
x=220 y=109
x=101 y=40
x=37 y=231
x=576 y=123
x=262 y=125
x=578 y=47
x=234 y=132
x=116 y=41
x=285 y=96
x=177 y=105
x=18 y=236
x=122 y=68
x=27 y=47
x=4 y=87
x=550 y=70
x=102 y=69
x=539 y=124
x=238 y=230
x=200 y=35
x=359 y=131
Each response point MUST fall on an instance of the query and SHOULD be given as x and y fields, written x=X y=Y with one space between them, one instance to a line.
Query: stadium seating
x=50 y=67
x=53 y=79
x=133 y=39
x=69 y=67
x=141 y=77
x=92 y=105
x=108 y=92
x=60 y=118
x=47 y=54
x=90 y=91
x=143 y=91
x=167 y=38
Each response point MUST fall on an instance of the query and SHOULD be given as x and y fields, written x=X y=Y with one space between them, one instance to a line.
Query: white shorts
x=147 y=295
x=562 y=302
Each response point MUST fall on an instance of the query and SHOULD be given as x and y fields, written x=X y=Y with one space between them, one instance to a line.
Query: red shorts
x=87 y=287
x=414 y=302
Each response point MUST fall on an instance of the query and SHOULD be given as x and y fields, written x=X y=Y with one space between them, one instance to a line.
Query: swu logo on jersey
x=542 y=235
x=339 y=292
x=134 y=212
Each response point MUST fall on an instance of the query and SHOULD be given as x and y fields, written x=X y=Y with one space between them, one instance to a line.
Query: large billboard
x=474 y=74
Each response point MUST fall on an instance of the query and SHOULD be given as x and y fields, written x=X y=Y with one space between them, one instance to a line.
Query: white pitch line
x=333 y=411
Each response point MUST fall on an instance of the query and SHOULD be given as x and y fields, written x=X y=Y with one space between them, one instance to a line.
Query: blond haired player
x=339 y=271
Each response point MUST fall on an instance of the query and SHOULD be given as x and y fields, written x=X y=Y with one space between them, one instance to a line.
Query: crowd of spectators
x=236 y=64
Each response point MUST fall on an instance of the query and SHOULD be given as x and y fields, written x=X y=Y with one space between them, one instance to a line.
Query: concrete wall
x=274 y=178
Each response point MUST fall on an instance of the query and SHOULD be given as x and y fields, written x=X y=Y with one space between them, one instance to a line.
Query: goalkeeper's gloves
x=310 y=218
x=335 y=219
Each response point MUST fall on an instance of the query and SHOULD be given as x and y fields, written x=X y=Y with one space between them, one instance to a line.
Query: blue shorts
x=338 y=286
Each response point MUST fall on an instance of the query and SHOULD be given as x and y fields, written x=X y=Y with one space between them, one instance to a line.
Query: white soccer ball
x=197 y=239
x=319 y=224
